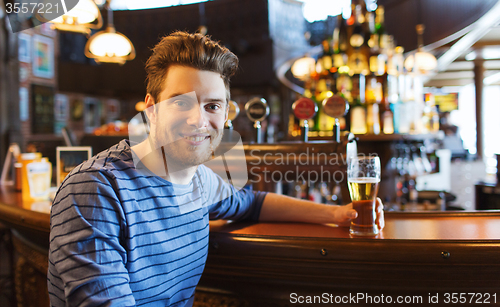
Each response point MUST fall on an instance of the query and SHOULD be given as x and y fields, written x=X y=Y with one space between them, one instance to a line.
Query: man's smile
x=196 y=139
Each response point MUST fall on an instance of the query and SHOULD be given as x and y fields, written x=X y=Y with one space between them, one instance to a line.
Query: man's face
x=189 y=118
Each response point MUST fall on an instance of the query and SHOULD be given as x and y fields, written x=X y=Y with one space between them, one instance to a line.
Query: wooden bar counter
x=418 y=254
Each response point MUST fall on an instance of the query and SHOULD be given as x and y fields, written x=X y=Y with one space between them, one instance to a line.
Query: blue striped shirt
x=121 y=236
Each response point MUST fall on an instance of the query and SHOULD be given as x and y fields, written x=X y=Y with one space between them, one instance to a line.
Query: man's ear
x=150 y=108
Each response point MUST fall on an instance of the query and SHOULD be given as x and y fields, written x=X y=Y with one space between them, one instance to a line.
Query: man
x=129 y=227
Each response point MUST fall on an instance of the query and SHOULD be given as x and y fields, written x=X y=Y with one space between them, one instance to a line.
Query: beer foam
x=364 y=180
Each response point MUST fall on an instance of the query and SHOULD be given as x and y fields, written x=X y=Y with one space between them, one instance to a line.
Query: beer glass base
x=364 y=231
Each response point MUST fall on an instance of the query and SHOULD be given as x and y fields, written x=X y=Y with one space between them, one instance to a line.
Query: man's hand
x=344 y=214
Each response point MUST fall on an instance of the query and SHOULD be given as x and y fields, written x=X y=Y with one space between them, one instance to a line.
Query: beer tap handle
x=336 y=131
x=258 y=131
x=305 y=131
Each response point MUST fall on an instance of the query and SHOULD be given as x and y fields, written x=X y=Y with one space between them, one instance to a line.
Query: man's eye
x=213 y=107
x=180 y=103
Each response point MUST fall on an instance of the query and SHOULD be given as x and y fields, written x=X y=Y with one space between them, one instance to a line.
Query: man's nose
x=197 y=117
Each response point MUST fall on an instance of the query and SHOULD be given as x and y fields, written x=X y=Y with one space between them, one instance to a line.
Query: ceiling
x=461 y=71
x=453 y=30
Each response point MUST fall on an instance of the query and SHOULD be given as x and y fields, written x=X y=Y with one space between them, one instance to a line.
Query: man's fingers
x=344 y=215
x=380 y=205
x=348 y=214
x=352 y=214
x=380 y=214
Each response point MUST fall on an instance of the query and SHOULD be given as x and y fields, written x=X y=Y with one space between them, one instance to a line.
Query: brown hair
x=192 y=50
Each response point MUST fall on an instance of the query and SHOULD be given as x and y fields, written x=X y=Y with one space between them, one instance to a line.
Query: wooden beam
x=448 y=82
x=480 y=28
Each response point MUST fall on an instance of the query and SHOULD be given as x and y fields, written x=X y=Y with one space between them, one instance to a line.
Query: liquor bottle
x=357 y=38
x=373 y=89
x=340 y=44
x=373 y=97
x=359 y=51
x=344 y=85
x=344 y=89
x=404 y=105
x=358 y=107
x=369 y=27
x=396 y=110
x=380 y=27
x=373 y=41
x=340 y=37
x=326 y=58
x=373 y=118
x=386 y=115
x=320 y=94
x=358 y=117
x=387 y=118
x=319 y=88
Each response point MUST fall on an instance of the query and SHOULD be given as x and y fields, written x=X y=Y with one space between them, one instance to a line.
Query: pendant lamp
x=109 y=46
x=421 y=61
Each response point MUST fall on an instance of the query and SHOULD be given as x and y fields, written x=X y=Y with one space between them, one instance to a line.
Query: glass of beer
x=363 y=177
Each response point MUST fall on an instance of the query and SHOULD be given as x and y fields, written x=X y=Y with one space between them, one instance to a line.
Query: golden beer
x=363 y=193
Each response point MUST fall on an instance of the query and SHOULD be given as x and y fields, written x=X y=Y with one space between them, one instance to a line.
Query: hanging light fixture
x=109 y=46
x=421 y=61
x=303 y=67
x=82 y=18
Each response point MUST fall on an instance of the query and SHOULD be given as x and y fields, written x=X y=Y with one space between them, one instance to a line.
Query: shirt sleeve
x=228 y=202
x=85 y=256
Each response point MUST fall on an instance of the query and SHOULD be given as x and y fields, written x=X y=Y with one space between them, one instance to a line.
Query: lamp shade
x=421 y=61
x=86 y=11
x=303 y=67
x=78 y=19
x=110 y=46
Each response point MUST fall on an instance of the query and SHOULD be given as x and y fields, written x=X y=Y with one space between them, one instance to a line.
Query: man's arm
x=86 y=258
x=280 y=208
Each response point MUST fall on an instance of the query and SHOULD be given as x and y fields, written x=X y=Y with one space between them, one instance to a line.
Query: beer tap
x=304 y=109
x=257 y=110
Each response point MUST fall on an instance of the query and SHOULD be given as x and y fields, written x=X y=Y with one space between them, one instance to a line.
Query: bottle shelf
x=327 y=135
